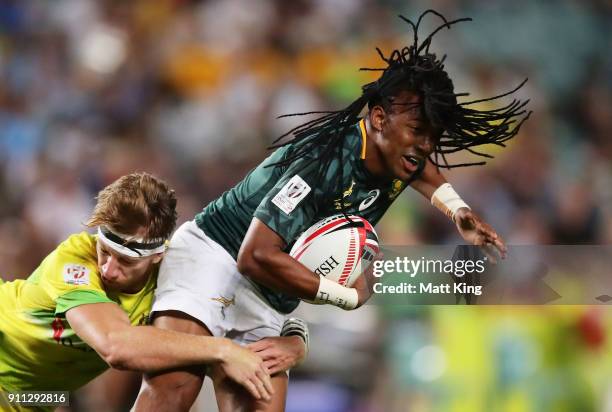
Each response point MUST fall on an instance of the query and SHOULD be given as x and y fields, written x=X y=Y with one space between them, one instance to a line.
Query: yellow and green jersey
x=38 y=348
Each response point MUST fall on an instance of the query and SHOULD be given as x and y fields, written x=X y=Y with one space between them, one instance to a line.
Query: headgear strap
x=129 y=246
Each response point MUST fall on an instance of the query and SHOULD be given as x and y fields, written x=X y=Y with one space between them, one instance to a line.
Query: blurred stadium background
x=190 y=90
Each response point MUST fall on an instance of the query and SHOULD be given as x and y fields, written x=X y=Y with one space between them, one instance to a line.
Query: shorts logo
x=372 y=196
x=291 y=194
x=226 y=302
x=75 y=274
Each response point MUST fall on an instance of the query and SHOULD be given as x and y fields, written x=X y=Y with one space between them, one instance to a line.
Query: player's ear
x=377 y=117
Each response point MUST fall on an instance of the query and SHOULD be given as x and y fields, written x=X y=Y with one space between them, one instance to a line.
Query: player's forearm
x=149 y=349
x=279 y=271
x=431 y=178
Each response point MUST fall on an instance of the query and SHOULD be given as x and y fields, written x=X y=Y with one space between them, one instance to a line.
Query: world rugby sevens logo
x=295 y=190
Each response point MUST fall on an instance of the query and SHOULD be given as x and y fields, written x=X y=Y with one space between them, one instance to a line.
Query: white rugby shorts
x=200 y=278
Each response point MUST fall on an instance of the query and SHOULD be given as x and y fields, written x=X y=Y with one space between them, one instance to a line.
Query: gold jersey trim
x=364 y=138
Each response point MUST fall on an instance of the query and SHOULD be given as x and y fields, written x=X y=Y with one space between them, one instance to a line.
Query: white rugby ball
x=339 y=249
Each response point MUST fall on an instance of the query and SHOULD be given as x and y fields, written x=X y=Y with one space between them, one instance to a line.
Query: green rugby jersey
x=289 y=200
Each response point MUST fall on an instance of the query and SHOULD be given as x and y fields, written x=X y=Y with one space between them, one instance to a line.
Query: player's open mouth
x=411 y=163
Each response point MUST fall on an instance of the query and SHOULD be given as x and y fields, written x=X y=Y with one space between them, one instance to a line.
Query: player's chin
x=111 y=285
x=403 y=174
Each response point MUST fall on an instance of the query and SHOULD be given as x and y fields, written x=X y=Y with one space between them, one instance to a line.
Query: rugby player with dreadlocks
x=228 y=273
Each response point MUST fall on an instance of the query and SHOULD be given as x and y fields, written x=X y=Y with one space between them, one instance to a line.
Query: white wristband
x=336 y=294
x=447 y=200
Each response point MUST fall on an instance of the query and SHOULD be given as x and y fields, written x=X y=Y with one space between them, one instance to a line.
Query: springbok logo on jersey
x=291 y=194
x=75 y=274
x=345 y=194
x=372 y=196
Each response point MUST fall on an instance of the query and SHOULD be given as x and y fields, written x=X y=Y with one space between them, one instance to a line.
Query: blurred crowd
x=191 y=90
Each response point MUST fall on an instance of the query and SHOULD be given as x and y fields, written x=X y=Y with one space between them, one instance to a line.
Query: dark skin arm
x=431 y=178
x=471 y=227
x=261 y=258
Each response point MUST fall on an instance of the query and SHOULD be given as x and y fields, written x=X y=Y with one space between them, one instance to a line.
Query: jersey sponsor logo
x=367 y=202
x=291 y=194
x=75 y=274
x=58 y=328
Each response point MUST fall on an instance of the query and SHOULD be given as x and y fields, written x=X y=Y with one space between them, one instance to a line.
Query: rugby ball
x=337 y=248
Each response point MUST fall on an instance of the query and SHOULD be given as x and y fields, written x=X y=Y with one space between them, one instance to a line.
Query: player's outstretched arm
x=261 y=258
x=471 y=227
x=106 y=328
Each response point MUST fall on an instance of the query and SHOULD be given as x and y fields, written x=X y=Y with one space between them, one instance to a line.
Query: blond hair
x=135 y=202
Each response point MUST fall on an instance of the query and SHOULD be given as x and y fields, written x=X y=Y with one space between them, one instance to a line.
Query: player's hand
x=280 y=353
x=477 y=232
x=365 y=283
x=247 y=369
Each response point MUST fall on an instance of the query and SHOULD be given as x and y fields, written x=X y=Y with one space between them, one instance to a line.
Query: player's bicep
x=94 y=322
x=260 y=234
x=260 y=240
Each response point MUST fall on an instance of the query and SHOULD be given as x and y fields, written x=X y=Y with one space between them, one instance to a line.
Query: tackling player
x=229 y=274
x=86 y=306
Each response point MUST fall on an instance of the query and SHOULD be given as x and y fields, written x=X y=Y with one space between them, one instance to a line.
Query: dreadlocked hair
x=412 y=68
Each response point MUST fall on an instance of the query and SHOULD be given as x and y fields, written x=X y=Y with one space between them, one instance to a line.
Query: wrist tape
x=447 y=200
x=336 y=294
